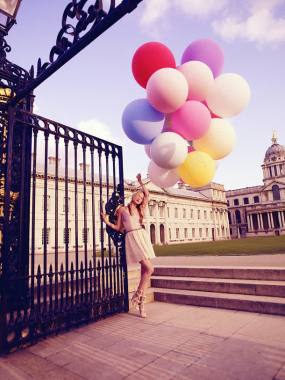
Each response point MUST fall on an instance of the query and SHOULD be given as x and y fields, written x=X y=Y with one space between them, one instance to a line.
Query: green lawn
x=249 y=246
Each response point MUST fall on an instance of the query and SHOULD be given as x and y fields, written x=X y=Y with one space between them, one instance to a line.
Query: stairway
x=260 y=290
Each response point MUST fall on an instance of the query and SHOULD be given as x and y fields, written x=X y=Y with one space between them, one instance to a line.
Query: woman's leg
x=146 y=272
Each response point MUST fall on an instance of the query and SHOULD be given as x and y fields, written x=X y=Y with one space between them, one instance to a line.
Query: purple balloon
x=206 y=51
x=141 y=122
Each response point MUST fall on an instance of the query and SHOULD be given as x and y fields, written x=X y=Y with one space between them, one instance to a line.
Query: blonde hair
x=139 y=207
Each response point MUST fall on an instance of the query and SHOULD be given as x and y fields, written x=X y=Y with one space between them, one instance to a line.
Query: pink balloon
x=191 y=121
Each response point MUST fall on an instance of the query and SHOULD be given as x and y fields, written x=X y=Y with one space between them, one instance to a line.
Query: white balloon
x=147 y=150
x=169 y=150
x=229 y=95
x=167 y=90
x=199 y=78
x=218 y=141
x=162 y=177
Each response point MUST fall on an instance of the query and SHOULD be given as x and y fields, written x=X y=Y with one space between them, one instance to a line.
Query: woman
x=138 y=245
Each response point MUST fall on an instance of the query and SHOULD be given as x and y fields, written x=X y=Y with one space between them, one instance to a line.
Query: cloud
x=261 y=27
x=256 y=21
x=97 y=128
x=156 y=10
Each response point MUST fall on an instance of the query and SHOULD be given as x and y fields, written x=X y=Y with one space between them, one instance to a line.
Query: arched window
x=276 y=192
x=238 y=217
x=152 y=233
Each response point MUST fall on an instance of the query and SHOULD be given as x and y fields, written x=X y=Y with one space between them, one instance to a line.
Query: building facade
x=176 y=215
x=260 y=210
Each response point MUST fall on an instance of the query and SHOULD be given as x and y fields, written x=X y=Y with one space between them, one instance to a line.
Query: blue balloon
x=141 y=122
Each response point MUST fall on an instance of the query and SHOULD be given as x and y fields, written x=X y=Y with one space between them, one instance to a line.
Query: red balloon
x=149 y=58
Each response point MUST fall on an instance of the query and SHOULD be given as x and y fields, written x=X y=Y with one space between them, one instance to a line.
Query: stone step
x=256 y=304
x=247 y=273
x=235 y=286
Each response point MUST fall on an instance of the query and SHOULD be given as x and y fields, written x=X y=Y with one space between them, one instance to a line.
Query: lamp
x=8 y=12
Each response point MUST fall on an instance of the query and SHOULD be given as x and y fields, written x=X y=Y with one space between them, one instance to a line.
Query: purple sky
x=92 y=90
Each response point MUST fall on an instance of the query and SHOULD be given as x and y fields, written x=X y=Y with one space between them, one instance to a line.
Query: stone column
x=270 y=218
x=281 y=218
x=248 y=222
x=157 y=224
x=260 y=221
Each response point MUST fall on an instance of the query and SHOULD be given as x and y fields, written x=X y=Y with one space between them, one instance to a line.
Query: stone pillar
x=251 y=222
x=260 y=221
x=248 y=222
x=281 y=219
x=270 y=218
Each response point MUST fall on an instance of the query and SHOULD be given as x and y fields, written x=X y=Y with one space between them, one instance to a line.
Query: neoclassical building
x=260 y=210
x=175 y=215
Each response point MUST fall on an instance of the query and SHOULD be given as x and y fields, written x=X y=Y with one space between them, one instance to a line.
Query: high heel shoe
x=135 y=299
x=141 y=306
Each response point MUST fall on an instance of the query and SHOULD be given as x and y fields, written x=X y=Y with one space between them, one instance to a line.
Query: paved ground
x=175 y=342
x=247 y=261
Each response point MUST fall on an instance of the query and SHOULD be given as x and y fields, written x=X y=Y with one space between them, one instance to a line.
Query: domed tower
x=274 y=162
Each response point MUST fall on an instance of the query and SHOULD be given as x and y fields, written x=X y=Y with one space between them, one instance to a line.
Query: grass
x=248 y=246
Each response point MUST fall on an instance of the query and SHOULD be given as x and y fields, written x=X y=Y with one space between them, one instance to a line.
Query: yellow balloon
x=198 y=169
x=218 y=141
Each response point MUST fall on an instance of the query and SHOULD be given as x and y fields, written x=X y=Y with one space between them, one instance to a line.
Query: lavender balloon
x=206 y=51
x=141 y=122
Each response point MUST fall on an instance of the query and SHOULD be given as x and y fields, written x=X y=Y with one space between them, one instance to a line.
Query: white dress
x=138 y=244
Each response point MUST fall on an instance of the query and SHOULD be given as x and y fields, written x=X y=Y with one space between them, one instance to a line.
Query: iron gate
x=69 y=271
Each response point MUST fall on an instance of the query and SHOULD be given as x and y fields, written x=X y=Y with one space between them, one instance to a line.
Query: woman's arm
x=118 y=225
x=144 y=189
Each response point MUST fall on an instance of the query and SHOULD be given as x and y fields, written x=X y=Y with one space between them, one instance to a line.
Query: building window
x=198 y=214
x=161 y=211
x=185 y=233
x=191 y=213
x=169 y=232
x=168 y=212
x=66 y=235
x=176 y=212
x=238 y=217
x=270 y=171
x=151 y=209
x=177 y=233
x=48 y=203
x=193 y=232
x=184 y=213
x=45 y=236
x=200 y=232
x=228 y=203
x=275 y=170
x=85 y=235
x=256 y=199
x=86 y=203
x=236 y=202
x=207 y=232
x=245 y=201
x=276 y=192
x=66 y=202
x=205 y=214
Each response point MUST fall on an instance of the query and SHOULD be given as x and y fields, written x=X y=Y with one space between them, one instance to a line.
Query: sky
x=91 y=91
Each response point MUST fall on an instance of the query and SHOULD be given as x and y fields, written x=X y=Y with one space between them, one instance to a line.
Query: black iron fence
x=59 y=267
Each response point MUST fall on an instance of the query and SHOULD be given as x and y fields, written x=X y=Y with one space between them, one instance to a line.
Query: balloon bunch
x=181 y=121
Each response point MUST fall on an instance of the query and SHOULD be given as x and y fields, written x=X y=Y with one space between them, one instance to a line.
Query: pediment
x=269 y=185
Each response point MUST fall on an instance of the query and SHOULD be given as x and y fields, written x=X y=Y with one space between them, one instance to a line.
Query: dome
x=275 y=151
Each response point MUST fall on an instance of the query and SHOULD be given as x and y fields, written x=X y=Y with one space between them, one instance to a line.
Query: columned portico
x=264 y=205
